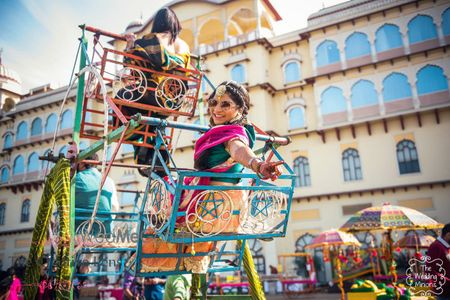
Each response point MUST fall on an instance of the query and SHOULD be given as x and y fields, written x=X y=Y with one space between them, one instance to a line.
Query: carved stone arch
x=212 y=30
x=245 y=18
x=187 y=35
x=294 y=102
x=235 y=29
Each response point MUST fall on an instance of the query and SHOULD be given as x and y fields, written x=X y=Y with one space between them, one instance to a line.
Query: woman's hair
x=239 y=95
x=445 y=230
x=166 y=21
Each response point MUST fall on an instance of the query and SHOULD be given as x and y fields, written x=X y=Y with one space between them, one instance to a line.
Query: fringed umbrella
x=389 y=217
x=415 y=241
x=334 y=238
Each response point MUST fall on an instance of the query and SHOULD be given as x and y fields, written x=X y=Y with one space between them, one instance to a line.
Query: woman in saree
x=160 y=50
x=225 y=148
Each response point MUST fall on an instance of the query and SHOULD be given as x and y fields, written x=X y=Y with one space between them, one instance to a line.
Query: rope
x=105 y=143
x=256 y=288
x=63 y=103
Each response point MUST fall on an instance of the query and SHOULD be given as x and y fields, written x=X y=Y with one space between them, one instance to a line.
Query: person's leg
x=145 y=157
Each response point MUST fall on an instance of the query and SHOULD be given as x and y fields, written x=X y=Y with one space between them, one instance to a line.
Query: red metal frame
x=107 y=59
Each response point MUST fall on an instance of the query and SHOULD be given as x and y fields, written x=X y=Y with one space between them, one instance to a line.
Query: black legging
x=144 y=154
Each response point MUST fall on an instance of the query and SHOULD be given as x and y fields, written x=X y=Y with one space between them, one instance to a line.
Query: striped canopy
x=333 y=237
x=414 y=241
x=389 y=217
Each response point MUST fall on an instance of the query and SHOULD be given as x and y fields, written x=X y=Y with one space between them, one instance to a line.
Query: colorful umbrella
x=415 y=241
x=333 y=237
x=388 y=217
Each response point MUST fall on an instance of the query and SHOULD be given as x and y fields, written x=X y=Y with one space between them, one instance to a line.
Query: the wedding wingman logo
x=426 y=277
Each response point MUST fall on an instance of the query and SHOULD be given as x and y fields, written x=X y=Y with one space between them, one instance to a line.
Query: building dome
x=9 y=79
x=134 y=25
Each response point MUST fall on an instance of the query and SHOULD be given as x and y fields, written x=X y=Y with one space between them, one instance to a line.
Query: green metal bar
x=76 y=139
x=111 y=137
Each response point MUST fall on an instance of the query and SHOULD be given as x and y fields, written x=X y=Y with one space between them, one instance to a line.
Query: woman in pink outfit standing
x=16 y=286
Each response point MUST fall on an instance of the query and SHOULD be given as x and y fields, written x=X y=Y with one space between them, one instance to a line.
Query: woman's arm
x=241 y=153
x=130 y=38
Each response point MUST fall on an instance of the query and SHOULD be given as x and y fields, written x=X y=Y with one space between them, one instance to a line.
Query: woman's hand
x=270 y=170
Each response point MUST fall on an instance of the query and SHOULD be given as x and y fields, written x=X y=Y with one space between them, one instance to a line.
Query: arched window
x=301 y=263
x=127 y=148
x=83 y=146
x=291 y=71
x=431 y=79
x=50 y=124
x=363 y=94
x=18 y=166
x=303 y=241
x=388 y=37
x=301 y=169
x=25 y=213
x=446 y=22
x=421 y=28
x=396 y=86
x=45 y=163
x=238 y=73
x=22 y=131
x=67 y=119
x=351 y=165
x=296 y=117
x=33 y=163
x=2 y=213
x=332 y=100
x=63 y=150
x=197 y=134
x=356 y=45
x=256 y=249
x=5 y=175
x=327 y=53
x=109 y=152
x=88 y=117
x=8 y=141
x=128 y=198
x=36 y=127
x=408 y=160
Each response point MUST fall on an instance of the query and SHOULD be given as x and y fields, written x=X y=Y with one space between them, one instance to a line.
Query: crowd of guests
x=175 y=287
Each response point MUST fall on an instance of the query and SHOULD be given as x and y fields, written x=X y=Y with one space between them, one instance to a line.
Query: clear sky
x=39 y=37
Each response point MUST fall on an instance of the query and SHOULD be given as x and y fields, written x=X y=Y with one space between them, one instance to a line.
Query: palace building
x=362 y=91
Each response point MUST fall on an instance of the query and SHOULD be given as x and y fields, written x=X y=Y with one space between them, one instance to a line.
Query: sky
x=39 y=38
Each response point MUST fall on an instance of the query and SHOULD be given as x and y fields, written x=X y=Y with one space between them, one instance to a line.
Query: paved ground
x=320 y=296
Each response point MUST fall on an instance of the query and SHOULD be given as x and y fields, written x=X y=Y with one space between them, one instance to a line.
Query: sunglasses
x=224 y=105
